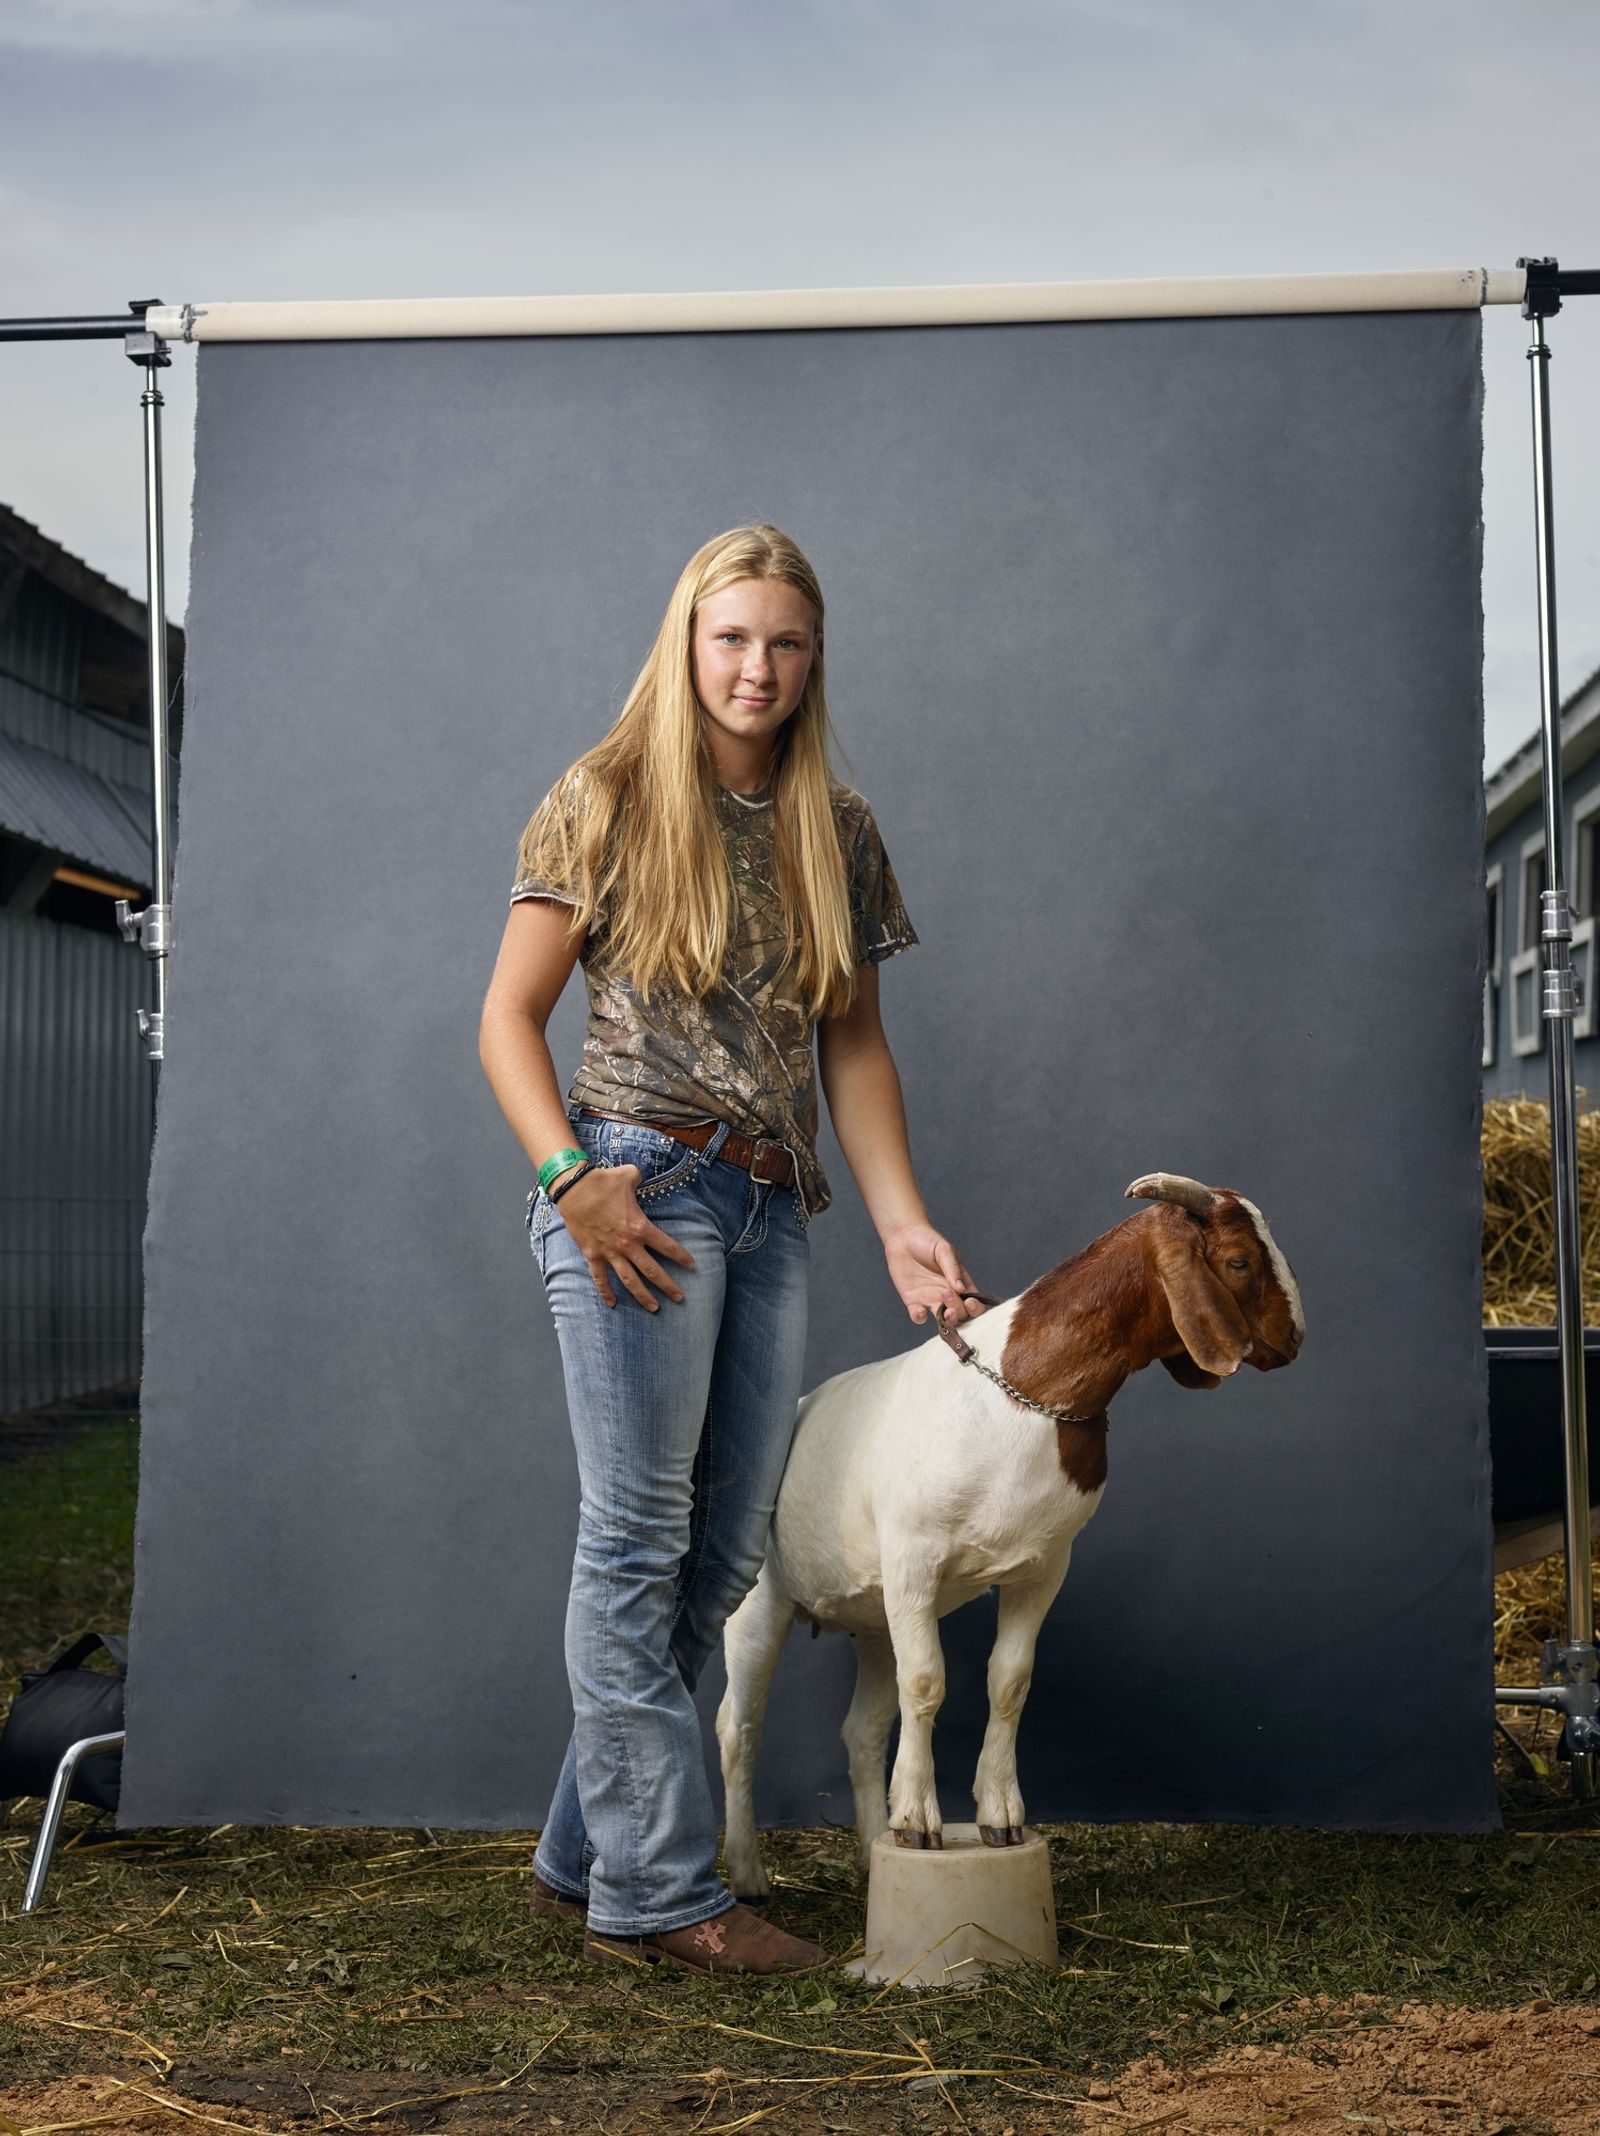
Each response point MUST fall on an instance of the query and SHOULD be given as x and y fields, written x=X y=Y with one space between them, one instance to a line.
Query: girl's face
x=751 y=651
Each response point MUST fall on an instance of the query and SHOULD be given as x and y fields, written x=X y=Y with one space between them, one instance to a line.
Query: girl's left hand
x=927 y=1271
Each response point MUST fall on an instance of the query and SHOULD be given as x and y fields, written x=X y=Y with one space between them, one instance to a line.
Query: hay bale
x=1519 y=1280
x=1519 y=1290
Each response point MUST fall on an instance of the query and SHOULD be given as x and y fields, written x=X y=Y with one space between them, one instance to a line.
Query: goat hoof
x=904 y=1836
x=992 y=1835
x=1014 y=1835
x=936 y=1839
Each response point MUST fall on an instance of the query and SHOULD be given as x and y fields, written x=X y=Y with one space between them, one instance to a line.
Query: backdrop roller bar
x=731 y=311
x=743 y=311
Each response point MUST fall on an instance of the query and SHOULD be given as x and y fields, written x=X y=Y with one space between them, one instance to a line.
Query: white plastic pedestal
x=944 y=1915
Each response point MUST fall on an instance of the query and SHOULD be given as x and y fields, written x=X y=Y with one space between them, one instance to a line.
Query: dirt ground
x=1428 y=2068
x=1425 y=2069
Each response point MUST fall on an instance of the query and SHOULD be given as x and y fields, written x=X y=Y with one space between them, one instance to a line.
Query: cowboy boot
x=737 y=1941
x=550 y=1904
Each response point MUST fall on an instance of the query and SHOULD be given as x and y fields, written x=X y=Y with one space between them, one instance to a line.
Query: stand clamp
x=152 y=930
x=140 y=346
x=1561 y=996
x=1569 y=1684
x=1574 y=1671
x=1542 y=294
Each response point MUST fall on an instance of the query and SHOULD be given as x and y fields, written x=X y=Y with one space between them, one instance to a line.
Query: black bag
x=58 y=1706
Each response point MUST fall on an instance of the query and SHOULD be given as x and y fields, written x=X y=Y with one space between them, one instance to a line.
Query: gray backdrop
x=1156 y=647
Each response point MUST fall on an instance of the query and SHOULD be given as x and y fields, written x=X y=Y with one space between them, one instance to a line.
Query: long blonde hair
x=632 y=825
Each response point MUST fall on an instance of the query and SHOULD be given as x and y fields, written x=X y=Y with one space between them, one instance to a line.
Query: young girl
x=727 y=895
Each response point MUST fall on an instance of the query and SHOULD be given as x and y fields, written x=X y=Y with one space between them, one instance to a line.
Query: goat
x=912 y=1486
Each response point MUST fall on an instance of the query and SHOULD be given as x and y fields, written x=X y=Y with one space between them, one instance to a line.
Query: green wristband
x=562 y=1161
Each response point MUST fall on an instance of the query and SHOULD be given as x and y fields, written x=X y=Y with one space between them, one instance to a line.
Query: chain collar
x=969 y=1356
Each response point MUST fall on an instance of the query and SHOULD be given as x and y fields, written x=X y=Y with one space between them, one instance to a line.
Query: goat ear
x=1188 y=1374
x=1209 y=1325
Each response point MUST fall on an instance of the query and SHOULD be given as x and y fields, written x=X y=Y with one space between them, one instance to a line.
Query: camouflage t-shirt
x=741 y=1053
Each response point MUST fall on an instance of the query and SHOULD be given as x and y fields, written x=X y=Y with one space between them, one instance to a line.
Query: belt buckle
x=755 y=1156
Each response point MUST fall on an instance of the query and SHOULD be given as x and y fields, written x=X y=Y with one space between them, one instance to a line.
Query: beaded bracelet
x=558 y=1163
x=554 y=1194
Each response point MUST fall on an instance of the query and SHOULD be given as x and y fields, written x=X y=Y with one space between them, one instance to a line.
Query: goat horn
x=1171 y=1187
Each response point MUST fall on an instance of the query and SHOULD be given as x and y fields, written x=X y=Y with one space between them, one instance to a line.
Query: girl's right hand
x=611 y=1231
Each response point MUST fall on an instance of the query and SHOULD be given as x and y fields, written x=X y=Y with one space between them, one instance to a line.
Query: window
x=1586 y=855
x=1527 y=983
x=1493 y=924
x=1586 y=852
x=1583 y=969
x=1533 y=884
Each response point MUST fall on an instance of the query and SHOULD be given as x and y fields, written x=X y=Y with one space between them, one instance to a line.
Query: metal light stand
x=152 y=928
x=1570 y=1670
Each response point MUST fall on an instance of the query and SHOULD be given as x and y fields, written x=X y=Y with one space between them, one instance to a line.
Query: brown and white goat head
x=1231 y=1295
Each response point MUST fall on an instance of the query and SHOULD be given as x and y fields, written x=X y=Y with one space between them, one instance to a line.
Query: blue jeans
x=682 y=1420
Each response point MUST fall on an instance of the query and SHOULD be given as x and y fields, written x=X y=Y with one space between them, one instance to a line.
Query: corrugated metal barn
x=1514 y=1056
x=75 y=1086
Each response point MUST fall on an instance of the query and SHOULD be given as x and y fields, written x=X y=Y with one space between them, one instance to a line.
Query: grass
x=268 y=1967
x=66 y=1544
x=413 y=1957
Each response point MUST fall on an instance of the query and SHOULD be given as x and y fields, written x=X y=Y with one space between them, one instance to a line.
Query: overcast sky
x=212 y=149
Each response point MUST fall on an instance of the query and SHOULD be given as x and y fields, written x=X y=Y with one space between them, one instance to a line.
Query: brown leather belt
x=758 y=1155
